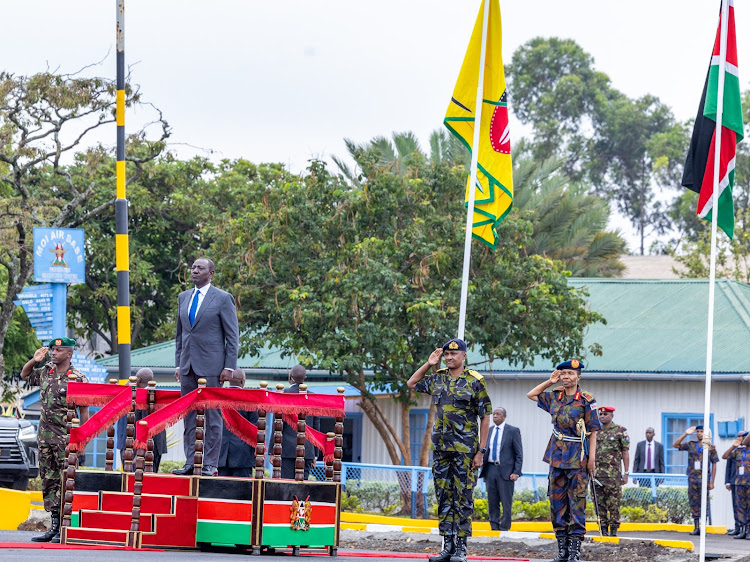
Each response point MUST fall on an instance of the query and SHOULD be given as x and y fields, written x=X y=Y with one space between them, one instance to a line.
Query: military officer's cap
x=698 y=427
x=62 y=342
x=455 y=345
x=574 y=364
x=604 y=409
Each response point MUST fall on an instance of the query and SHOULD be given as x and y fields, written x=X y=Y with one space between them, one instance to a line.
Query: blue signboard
x=58 y=255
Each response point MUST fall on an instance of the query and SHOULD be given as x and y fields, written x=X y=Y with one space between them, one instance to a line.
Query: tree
x=639 y=149
x=43 y=119
x=569 y=224
x=367 y=279
x=553 y=86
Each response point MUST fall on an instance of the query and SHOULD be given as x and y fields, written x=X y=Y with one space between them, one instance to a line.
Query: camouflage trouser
x=454 y=490
x=694 y=498
x=567 y=500
x=742 y=504
x=609 y=498
x=51 y=465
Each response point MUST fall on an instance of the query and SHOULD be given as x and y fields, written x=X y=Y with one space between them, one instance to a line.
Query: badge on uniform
x=741 y=471
x=696 y=465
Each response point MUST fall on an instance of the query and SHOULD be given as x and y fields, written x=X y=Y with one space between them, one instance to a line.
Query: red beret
x=606 y=409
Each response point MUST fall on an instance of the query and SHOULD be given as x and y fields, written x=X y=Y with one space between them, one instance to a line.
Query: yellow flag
x=494 y=188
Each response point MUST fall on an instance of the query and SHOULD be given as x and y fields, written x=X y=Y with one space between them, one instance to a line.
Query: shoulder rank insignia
x=587 y=396
x=474 y=374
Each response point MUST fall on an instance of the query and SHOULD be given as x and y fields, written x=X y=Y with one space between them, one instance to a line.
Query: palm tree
x=569 y=224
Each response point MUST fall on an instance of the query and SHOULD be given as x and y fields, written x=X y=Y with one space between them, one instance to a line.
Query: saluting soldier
x=695 y=471
x=571 y=453
x=738 y=455
x=459 y=438
x=52 y=380
x=612 y=461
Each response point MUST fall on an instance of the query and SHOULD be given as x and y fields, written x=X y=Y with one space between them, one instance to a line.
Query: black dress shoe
x=208 y=470
x=187 y=469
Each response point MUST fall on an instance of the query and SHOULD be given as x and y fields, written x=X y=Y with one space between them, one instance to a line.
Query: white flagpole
x=712 y=275
x=473 y=180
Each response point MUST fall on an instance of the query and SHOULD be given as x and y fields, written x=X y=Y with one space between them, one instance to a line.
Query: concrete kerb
x=520 y=530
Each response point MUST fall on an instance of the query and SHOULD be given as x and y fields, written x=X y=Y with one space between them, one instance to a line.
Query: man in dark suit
x=649 y=458
x=501 y=468
x=237 y=457
x=205 y=347
x=143 y=376
x=297 y=376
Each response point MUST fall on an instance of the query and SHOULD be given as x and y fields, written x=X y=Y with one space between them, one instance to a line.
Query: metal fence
x=409 y=490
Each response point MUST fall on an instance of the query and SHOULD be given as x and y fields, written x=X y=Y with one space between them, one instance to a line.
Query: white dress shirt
x=201 y=295
x=649 y=458
x=495 y=454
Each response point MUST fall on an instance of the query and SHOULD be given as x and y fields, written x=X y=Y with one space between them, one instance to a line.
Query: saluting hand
x=40 y=354
x=435 y=356
x=690 y=430
x=554 y=377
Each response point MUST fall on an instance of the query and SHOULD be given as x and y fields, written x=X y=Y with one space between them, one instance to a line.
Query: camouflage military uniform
x=695 y=454
x=568 y=479
x=741 y=458
x=52 y=428
x=455 y=442
x=610 y=445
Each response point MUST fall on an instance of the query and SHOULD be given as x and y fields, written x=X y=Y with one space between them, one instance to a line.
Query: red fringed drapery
x=170 y=407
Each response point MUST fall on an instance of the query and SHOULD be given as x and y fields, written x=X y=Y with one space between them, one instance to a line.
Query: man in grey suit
x=501 y=468
x=649 y=458
x=297 y=376
x=205 y=347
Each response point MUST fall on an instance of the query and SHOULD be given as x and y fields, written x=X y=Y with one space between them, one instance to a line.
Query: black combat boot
x=741 y=532
x=460 y=554
x=697 y=530
x=613 y=530
x=562 y=548
x=574 y=549
x=449 y=547
x=54 y=530
x=604 y=530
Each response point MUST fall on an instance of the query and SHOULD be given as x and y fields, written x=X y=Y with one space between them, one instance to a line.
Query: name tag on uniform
x=741 y=471
x=697 y=465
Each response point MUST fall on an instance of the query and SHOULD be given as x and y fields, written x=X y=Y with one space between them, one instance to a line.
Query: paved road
x=722 y=544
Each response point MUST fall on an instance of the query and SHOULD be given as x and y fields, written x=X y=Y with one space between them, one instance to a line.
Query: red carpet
x=414 y=555
x=51 y=546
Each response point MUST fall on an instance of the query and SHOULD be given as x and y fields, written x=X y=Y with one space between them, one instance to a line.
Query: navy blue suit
x=237 y=458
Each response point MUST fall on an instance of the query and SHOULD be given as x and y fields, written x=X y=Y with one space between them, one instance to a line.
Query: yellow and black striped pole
x=122 y=261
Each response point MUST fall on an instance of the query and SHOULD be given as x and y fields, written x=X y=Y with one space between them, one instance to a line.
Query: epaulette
x=588 y=396
x=474 y=374
x=442 y=370
x=557 y=388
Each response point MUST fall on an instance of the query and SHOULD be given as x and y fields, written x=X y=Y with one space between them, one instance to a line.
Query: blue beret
x=698 y=427
x=455 y=345
x=574 y=364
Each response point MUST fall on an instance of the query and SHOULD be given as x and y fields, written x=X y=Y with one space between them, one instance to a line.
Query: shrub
x=536 y=511
x=652 y=514
x=169 y=466
x=481 y=510
x=350 y=502
x=376 y=496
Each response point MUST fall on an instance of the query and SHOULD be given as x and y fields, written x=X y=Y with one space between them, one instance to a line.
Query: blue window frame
x=96 y=450
x=672 y=426
x=417 y=427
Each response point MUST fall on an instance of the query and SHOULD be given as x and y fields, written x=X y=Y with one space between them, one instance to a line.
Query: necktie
x=648 y=457
x=193 y=307
x=495 y=453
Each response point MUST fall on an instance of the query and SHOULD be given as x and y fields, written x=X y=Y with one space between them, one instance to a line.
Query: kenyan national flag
x=699 y=166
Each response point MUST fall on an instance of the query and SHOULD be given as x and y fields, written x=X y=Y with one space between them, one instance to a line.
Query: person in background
x=502 y=467
x=738 y=456
x=649 y=458
x=297 y=376
x=695 y=471
x=143 y=376
x=237 y=458
x=612 y=461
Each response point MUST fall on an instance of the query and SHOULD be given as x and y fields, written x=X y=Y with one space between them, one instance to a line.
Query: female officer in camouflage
x=571 y=453
x=461 y=397
x=52 y=380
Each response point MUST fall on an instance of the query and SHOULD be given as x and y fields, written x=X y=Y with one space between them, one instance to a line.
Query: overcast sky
x=287 y=81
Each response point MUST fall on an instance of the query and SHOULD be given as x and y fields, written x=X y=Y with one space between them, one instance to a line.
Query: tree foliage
x=354 y=279
x=44 y=119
